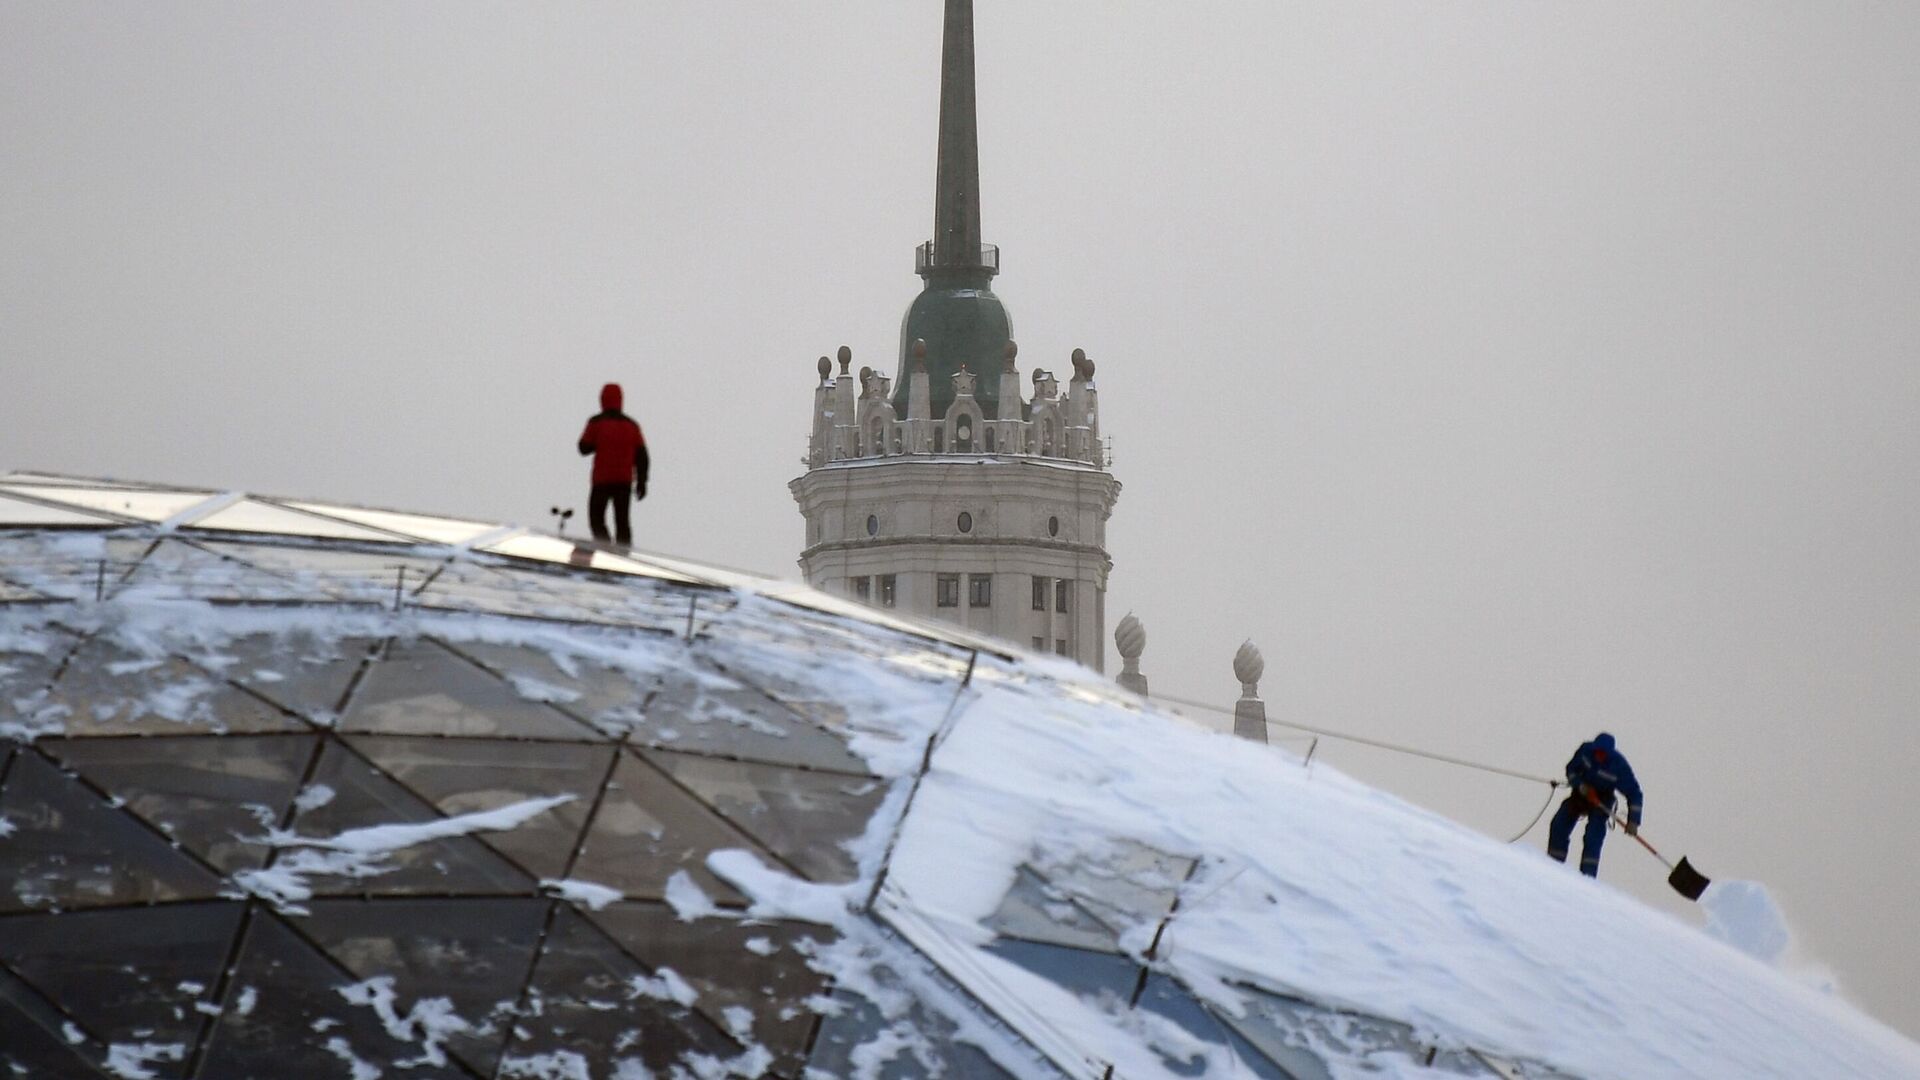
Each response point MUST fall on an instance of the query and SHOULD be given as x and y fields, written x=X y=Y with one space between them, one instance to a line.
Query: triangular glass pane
x=284 y=1015
x=1037 y=911
x=255 y=516
x=476 y=953
x=435 y=530
x=806 y=818
x=20 y=512
x=647 y=829
x=759 y=967
x=609 y=698
x=106 y=690
x=35 y=1038
x=464 y=776
x=176 y=569
x=596 y=1002
x=215 y=796
x=139 y=504
x=70 y=849
x=471 y=587
x=306 y=673
x=364 y=576
x=1167 y=998
x=363 y=798
x=419 y=688
x=1122 y=883
x=129 y=975
x=615 y=601
x=701 y=710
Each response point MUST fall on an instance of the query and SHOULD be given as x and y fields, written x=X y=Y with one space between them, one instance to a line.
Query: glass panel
x=1037 y=910
x=607 y=697
x=284 y=1016
x=1226 y=1052
x=127 y=502
x=367 y=577
x=757 y=967
x=1289 y=1030
x=595 y=1001
x=27 y=663
x=34 y=1039
x=420 y=688
x=435 y=530
x=364 y=798
x=21 y=512
x=855 y=1040
x=70 y=849
x=254 y=516
x=179 y=569
x=701 y=710
x=468 y=587
x=805 y=818
x=475 y=953
x=216 y=796
x=1122 y=883
x=616 y=601
x=303 y=672
x=106 y=690
x=131 y=975
x=60 y=565
x=1096 y=975
x=462 y=776
x=647 y=829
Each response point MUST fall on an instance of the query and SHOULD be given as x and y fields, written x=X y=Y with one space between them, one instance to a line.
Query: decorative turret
x=1131 y=639
x=956 y=313
x=1249 y=713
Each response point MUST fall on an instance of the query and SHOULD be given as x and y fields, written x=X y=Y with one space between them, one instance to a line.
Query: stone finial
x=846 y=359
x=825 y=368
x=1082 y=367
x=1089 y=367
x=1131 y=639
x=919 y=351
x=1249 y=713
x=1248 y=666
x=1013 y=350
x=865 y=374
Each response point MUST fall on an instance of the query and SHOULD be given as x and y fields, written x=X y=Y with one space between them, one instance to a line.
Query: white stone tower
x=947 y=493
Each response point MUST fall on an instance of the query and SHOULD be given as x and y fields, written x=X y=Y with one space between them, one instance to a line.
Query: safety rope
x=1553 y=785
x=1553 y=788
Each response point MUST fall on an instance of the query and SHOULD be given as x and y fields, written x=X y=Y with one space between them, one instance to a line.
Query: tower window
x=966 y=522
x=1060 y=646
x=862 y=588
x=1053 y=526
x=886 y=590
x=1040 y=593
x=979 y=590
x=873 y=525
x=987 y=437
x=946 y=590
x=939 y=440
x=1062 y=589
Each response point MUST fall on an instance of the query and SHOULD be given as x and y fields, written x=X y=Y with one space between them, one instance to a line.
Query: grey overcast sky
x=1505 y=371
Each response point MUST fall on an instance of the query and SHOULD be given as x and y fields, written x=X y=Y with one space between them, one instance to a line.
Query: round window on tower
x=966 y=521
x=1053 y=526
x=873 y=525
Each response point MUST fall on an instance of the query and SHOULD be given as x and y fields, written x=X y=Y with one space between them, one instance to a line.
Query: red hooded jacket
x=619 y=450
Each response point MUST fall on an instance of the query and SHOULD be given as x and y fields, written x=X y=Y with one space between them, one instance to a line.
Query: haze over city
x=1506 y=374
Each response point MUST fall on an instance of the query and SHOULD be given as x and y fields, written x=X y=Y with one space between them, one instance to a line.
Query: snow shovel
x=1685 y=880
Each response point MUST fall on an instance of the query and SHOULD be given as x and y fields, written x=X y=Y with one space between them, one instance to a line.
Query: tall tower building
x=943 y=491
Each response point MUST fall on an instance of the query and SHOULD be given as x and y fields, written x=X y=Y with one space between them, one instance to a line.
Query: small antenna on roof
x=561 y=517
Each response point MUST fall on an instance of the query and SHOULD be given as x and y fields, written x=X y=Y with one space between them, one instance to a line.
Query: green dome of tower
x=963 y=323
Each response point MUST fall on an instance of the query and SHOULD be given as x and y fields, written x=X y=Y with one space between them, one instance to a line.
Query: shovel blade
x=1687 y=881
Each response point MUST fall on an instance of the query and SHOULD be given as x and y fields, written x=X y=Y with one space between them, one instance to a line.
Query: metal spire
x=956 y=204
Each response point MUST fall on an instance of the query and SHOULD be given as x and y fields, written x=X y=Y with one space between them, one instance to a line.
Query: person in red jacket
x=619 y=465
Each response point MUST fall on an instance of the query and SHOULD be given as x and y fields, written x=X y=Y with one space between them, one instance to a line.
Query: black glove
x=639 y=491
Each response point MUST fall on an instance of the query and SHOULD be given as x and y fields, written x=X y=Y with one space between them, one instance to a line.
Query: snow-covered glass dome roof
x=299 y=790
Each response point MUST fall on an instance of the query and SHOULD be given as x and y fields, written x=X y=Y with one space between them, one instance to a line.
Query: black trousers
x=621 y=496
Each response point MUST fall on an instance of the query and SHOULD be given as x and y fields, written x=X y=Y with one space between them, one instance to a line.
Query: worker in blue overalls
x=1594 y=773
